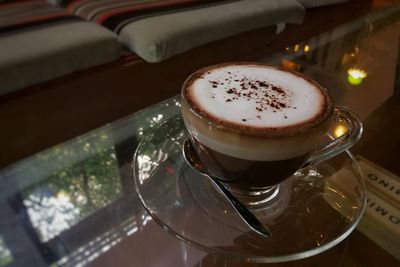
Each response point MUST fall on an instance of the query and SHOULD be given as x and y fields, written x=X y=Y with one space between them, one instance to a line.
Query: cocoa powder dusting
x=266 y=95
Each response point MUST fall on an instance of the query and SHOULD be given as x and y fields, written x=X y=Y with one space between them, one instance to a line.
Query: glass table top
x=74 y=204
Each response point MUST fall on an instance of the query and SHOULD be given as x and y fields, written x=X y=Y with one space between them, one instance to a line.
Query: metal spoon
x=194 y=161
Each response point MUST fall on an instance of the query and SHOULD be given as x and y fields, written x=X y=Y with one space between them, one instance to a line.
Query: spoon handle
x=193 y=161
x=243 y=211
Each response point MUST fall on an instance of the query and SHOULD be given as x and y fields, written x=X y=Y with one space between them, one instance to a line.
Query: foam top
x=256 y=96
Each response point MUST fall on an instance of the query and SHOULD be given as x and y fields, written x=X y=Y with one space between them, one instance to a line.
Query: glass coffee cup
x=254 y=125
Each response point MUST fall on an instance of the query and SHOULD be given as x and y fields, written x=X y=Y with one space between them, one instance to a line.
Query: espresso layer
x=247 y=173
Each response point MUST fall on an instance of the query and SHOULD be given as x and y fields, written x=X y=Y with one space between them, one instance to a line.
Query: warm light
x=306 y=48
x=339 y=131
x=296 y=48
x=290 y=65
x=355 y=76
x=287 y=48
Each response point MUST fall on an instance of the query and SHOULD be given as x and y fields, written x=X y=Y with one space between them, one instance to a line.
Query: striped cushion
x=117 y=14
x=39 y=42
x=151 y=27
x=20 y=15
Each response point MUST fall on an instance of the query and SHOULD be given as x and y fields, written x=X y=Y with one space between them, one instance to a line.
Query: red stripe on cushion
x=113 y=12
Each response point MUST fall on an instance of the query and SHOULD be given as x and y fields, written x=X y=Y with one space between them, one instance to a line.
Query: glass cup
x=247 y=177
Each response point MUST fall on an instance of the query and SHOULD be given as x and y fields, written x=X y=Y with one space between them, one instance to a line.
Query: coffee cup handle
x=348 y=128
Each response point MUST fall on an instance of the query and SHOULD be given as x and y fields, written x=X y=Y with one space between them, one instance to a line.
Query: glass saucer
x=314 y=209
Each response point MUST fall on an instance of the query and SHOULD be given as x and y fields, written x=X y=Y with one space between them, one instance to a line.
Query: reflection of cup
x=254 y=125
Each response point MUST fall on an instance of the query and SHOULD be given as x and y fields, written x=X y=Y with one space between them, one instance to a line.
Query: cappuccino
x=254 y=125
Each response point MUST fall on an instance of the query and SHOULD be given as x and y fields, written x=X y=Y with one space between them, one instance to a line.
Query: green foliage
x=5 y=255
x=83 y=177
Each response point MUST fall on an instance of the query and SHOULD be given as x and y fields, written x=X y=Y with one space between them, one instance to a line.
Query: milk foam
x=256 y=96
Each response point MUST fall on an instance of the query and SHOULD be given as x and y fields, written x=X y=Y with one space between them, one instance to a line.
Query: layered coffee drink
x=254 y=125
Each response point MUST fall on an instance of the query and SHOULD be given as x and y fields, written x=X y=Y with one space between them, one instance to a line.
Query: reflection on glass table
x=71 y=193
x=65 y=200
